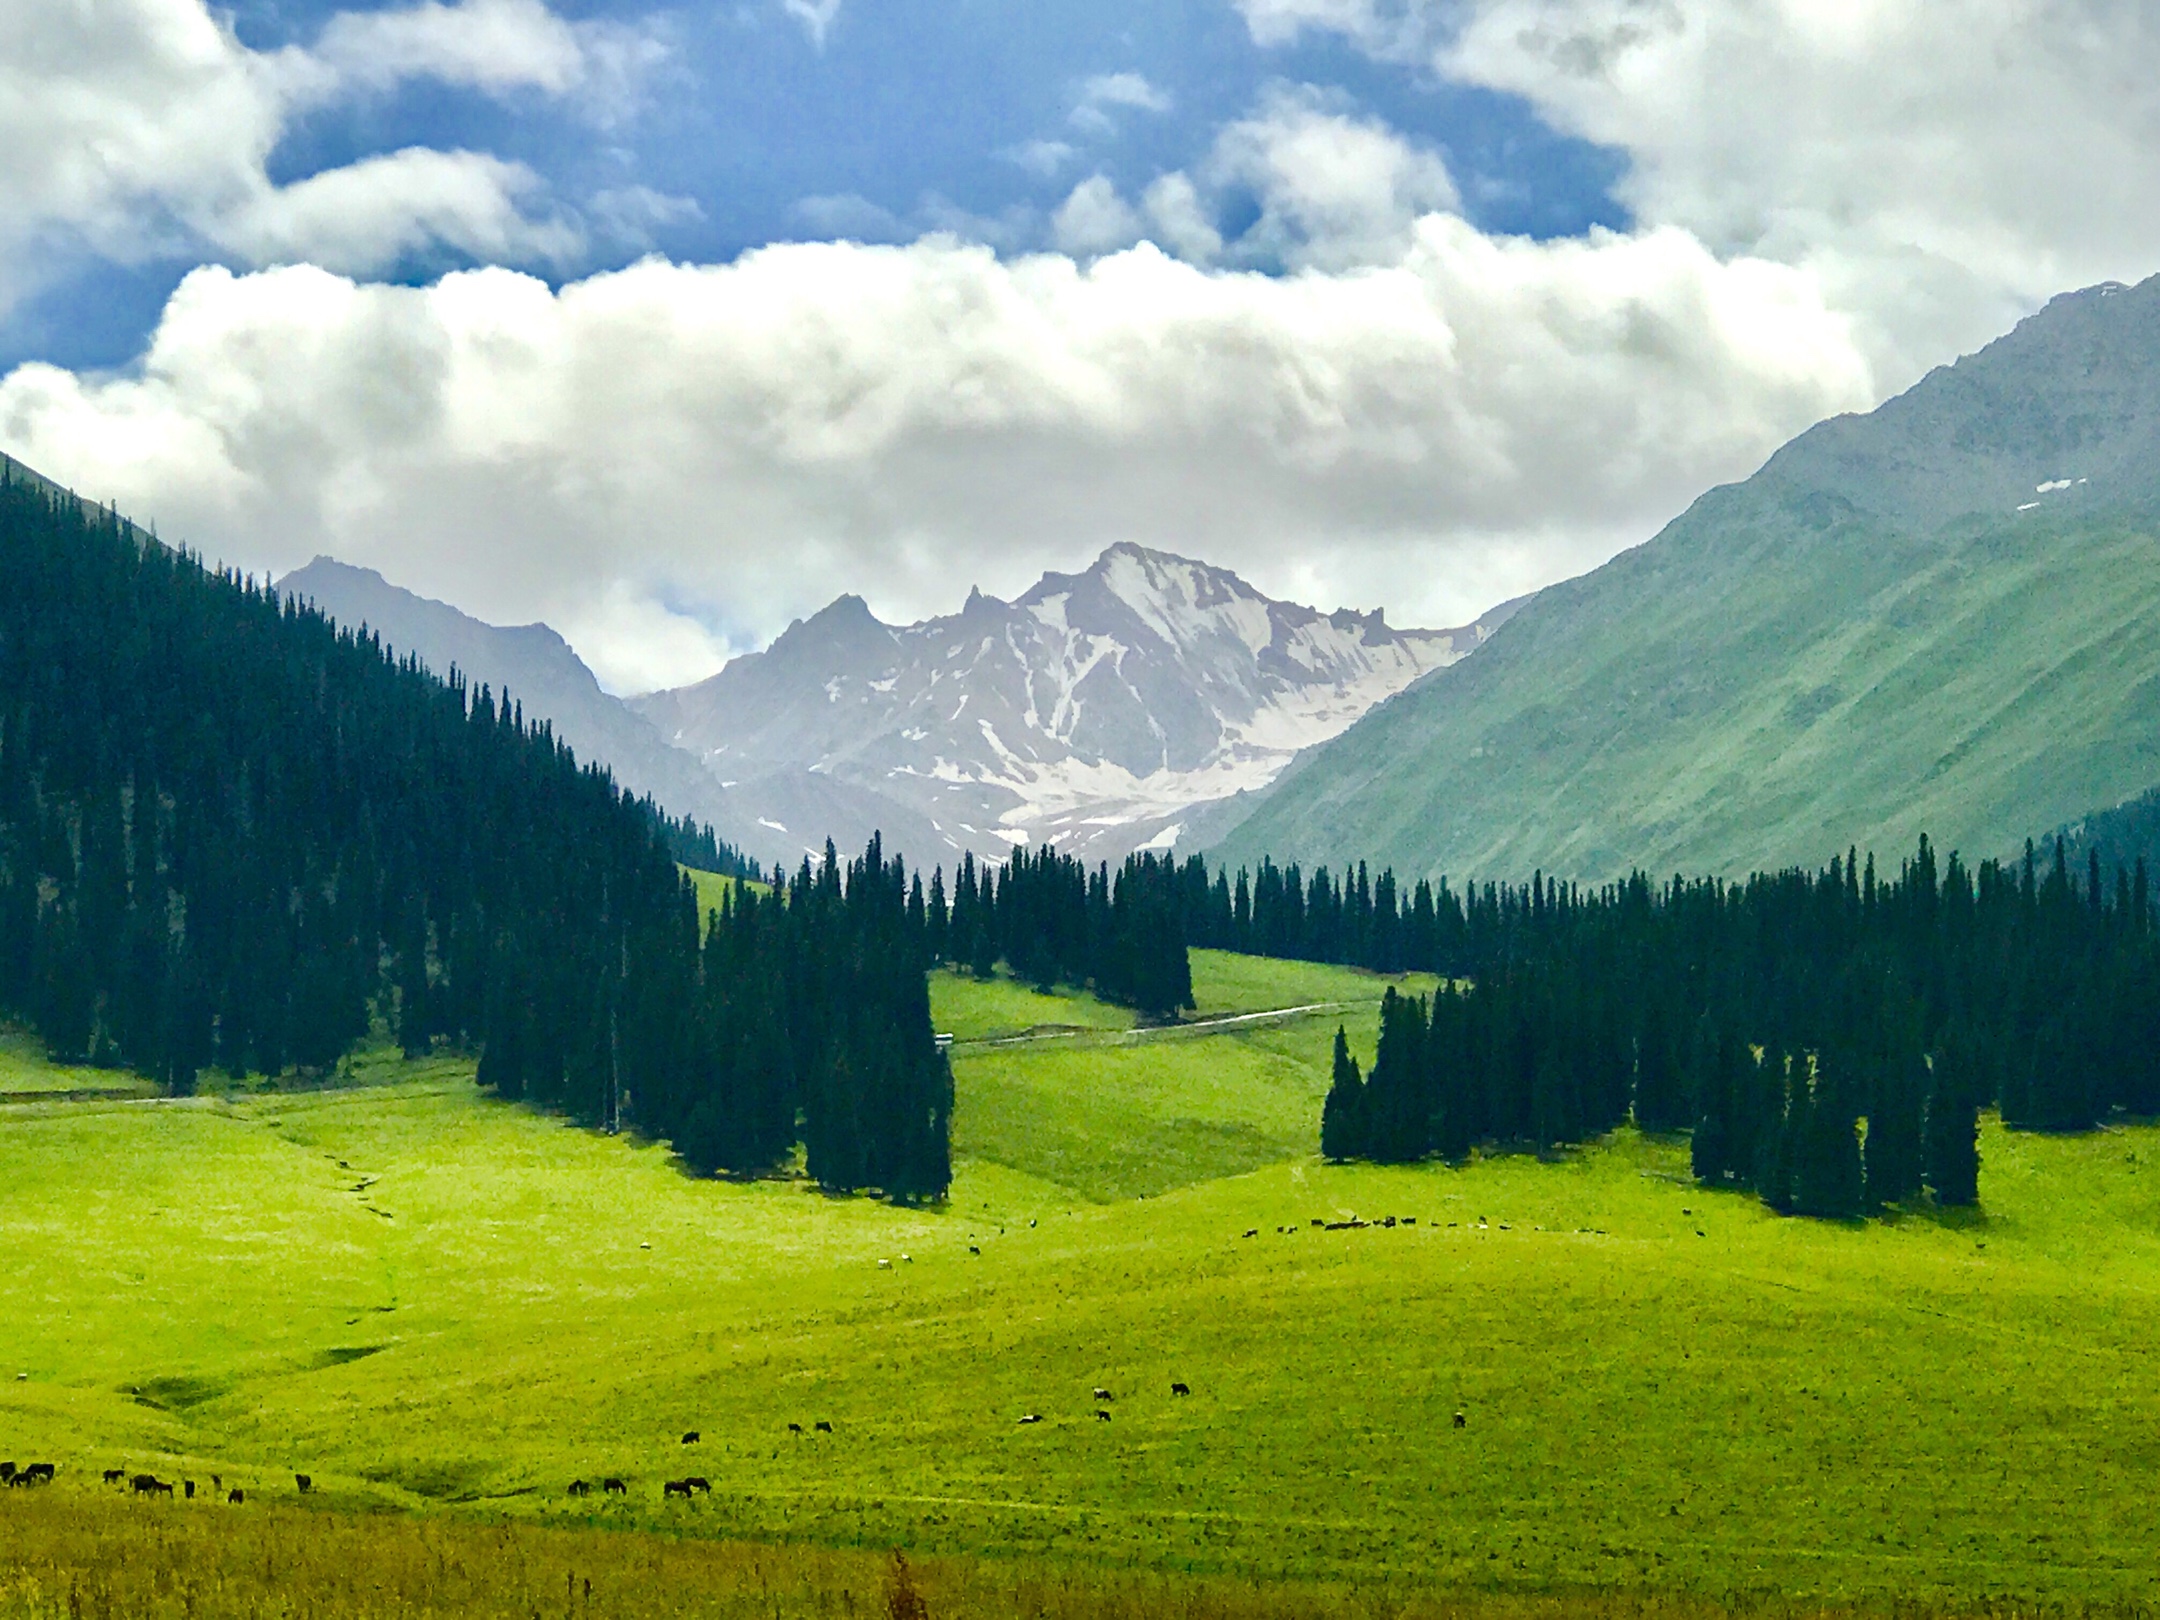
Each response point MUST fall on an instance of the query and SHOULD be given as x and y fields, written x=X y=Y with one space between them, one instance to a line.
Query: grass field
x=24 y=1073
x=432 y=1302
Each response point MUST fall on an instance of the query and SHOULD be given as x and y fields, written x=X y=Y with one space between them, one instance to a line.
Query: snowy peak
x=1091 y=712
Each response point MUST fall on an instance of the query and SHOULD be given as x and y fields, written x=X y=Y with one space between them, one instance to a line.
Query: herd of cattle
x=42 y=1473
x=692 y=1485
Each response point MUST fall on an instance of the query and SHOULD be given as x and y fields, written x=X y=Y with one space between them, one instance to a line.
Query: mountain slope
x=1095 y=711
x=537 y=669
x=1941 y=616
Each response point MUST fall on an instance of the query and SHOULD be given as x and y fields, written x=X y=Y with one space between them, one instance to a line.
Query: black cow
x=217 y=1483
x=1461 y=1421
x=822 y=1426
x=188 y=1485
x=795 y=1428
x=114 y=1476
x=39 y=1471
x=698 y=1482
x=974 y=1249
x=236 y=1496
x=1252 y=1231
x=304 y=1482
x=1104 y=1395
x=1179 y=1389
x=579 y=1488
x=1101 y=1416
x=691 y=1438
x=7 y=1470
x=676 y=1487
x=614 y=1487
x=151 y=1485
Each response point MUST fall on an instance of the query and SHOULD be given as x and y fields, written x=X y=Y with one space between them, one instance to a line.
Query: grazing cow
x=698 y=1482
x=7 y=1470
x=114 y=1476
x=691 y=1438
x=236 y=1496
x=1101 y=1416
x=1179 y=1389
x=145 y=1484
x=676 y=1487
x=614 y=1487
x=579 y=1488
x=188 y=1485
x=1462 y=1421
x=974 y=1249
x=794 y=1428
x=304 y=1482
x=217 y=1483
x=1032 y=1417
x=43 y=1471
x=1252 y=1231
x=1104 y=1395
x=823 y=1427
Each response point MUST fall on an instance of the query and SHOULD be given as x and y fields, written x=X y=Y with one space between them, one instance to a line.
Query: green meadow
x=449 y=1309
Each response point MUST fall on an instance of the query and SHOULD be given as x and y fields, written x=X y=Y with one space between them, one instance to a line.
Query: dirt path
x=1116 y=1037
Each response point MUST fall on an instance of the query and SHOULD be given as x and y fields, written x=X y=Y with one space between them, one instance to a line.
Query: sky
x=667 y=324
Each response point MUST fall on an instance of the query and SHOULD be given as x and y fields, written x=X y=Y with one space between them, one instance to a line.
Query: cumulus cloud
x=668 y=461
x=1094 y=219
x=141 y=127
x=1333 y=189
x=1941 y=166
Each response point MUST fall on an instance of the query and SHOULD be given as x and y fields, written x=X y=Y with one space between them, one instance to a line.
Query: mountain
x=1942 y=616
x=1100 y=711
x=537 y=669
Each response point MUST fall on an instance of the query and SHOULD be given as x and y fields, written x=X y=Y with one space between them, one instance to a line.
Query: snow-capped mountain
x=1101 y=711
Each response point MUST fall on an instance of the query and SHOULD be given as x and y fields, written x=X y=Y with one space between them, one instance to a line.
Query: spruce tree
x=1342 y=1116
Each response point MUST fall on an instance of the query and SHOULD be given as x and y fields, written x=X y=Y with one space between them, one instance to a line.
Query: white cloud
x=1094 y=219
x=646 y=455
x=381 y=209
x=493 y=45
x=1108 y=92
x=629 y=215
x=1181 y=221
x=1043 y=159
x=1335 y=189
x=816 y=16
x=137 y=127
x=1941 y=166
x=1386 y=28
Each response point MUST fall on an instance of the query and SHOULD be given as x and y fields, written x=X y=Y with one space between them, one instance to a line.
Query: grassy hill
x=1892 y=628
x=432 y=1302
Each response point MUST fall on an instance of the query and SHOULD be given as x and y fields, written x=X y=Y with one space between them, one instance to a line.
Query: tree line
x=235 y=837
x=1052 y=921
x=1828 y=1037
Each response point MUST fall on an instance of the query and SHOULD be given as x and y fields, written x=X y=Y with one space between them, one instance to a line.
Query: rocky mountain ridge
x=1099 y=711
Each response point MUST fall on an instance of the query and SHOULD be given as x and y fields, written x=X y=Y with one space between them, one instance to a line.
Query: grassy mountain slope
x=1891 y=628
x=434 y=1304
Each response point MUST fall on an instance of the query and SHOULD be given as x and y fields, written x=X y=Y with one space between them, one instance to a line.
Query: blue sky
x=913 y=110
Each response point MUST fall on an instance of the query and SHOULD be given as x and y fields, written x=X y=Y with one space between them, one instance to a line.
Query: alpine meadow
x=1251 y=811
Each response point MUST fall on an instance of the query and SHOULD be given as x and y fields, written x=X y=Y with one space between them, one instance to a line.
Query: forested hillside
x=1942 y=617
x=233 y=836
x=1770 y=1017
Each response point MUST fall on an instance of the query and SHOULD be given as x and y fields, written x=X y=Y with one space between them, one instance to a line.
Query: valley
x=432 y=1302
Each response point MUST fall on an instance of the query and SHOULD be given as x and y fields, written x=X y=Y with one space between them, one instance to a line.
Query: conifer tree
x=1342 y=1115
